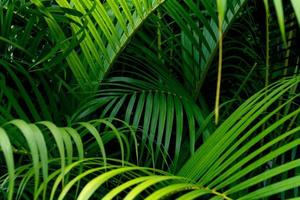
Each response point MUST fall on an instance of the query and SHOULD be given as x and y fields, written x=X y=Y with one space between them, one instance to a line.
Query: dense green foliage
x=115 y=99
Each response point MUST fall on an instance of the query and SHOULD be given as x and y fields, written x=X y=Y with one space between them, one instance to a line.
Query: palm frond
x=108 y=27
x=49 y=148
x=199 y=31
x=216 y=170
x=155 y=103
x=159 y=103
x=214 y=163
x=120 y=92
x=280 y=16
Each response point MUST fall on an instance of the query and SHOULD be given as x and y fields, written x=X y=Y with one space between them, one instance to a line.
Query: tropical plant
x=115 y=99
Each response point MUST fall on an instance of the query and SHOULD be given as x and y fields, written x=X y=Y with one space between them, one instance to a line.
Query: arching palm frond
x=230 y=165
x=155 y=103
x=156 y=94
x=109 y=26
x=37 y=153
x=199 y=35
x=143 y=129
x=245 y=147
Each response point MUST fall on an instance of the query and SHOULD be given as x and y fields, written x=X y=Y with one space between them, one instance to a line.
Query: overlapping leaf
x=49 y=148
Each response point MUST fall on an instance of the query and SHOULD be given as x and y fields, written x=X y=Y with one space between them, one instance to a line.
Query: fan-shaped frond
x=154 y=103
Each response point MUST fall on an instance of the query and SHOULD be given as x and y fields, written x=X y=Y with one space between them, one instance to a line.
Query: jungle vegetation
x=149 y=99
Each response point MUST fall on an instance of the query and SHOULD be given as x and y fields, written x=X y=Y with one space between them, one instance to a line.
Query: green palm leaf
x=117 y=86
x=109 y=28
x=35 y=141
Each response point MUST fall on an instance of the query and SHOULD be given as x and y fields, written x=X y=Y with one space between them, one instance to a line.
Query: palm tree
x=113 y=99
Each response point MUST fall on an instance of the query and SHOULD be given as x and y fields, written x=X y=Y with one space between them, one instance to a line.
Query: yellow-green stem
x=217 y=103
